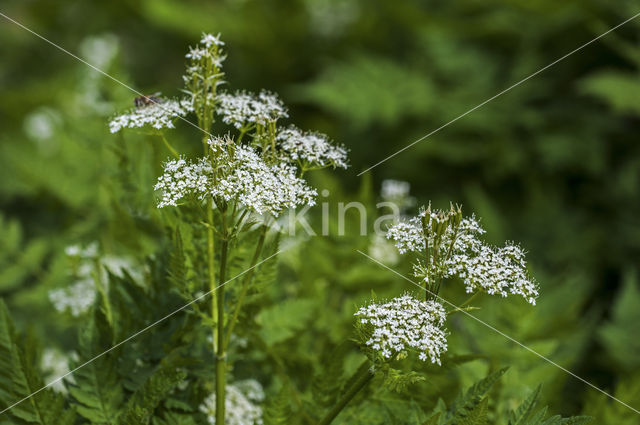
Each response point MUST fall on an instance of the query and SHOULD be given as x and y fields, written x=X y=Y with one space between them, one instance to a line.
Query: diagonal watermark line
x=139 y=332
x=501 y=333
x=499 y=94
x=149 y=99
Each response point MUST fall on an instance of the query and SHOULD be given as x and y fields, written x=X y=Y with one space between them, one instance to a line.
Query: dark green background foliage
x=553 y=164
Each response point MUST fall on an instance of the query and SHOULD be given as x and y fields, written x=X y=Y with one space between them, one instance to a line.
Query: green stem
x=212 y=273
x=464 y=304
x=221 y=355
x=168 y=145
x=363 y=375
x=245 y=286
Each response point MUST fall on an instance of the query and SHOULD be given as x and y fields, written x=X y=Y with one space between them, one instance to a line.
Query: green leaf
x=278 y=409
x=142 y=404
x=433 y=420
x=97 y=389
x=281 y=321
x=619 y=89
x=20 y=379
x=525 y=409
x=477 y=416
x=346 y=89
x=618 y=335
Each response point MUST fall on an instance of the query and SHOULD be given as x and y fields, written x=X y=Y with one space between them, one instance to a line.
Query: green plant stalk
x=168 y=145
x=464 y=304
x=221 y=352
x=212 y=273
x=361 y=381
x=102 y=288
x=245 y=287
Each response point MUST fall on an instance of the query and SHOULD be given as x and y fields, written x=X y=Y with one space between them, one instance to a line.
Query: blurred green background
x=553 y=164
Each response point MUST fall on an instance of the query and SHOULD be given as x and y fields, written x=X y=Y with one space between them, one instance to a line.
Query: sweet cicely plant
x=447 y=248
x=140 y=362
x=240 y=184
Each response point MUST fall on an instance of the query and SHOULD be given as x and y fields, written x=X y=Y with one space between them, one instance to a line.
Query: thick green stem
x=212 y=273
x=245 y=286
x=363 y=376
x=221 y=355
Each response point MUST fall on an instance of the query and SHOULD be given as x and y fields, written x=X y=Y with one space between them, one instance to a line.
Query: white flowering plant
x=166 y=341
x=239 y=186
x=448 y=247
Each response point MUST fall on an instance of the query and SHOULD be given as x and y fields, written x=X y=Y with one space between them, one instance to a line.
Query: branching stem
x=245 y=286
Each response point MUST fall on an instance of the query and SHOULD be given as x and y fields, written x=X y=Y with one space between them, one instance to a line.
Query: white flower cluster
x=157 y=115
x=241 y=406
x=407 y=236
x=243 y=108
x=79 y=297
x=243 y=177
x=496 y=270
x=406 y=322
x=481 y=266
x=182 y=178
x=392 y=190
x=203 y=49
x=55 y=364
x=382 y=250
x=261 y=187
x=312 y=148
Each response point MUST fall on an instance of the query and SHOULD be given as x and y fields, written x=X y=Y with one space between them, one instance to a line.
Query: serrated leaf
x=96 y=390
x=21 y=382
x=281 y=321
x=525 y=409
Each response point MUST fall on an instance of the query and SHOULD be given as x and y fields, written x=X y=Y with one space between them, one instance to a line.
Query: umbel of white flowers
x=406 y=323
x=242 y=175
x=158 y=114
x=453 y=248
x=311 y=149
x=241 y=404
x=243 y=109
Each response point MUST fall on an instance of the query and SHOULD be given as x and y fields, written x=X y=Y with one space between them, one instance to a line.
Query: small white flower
x=405 y=323
x=244 y=108
x=312 y=148
x=209 y=40
x=157 y=115
x=240 y=404
x=196 y=53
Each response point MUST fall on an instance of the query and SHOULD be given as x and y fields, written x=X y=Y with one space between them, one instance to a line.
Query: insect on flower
x=152 y=99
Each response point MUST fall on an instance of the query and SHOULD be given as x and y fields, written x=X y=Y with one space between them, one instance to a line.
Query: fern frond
x=278 y=410
x=96 y=390
x=19 y=378
x=142 y=404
